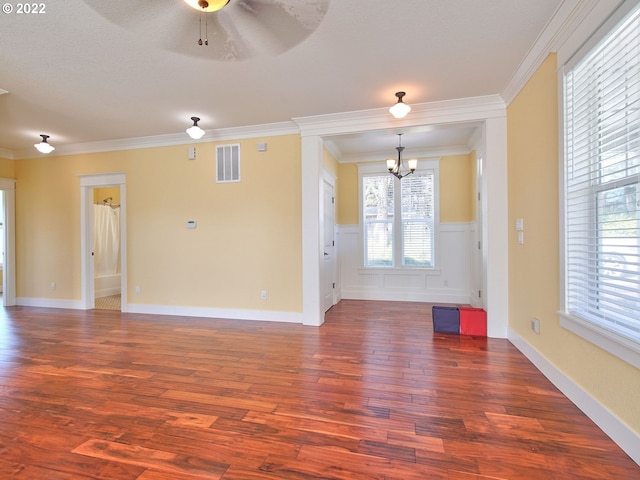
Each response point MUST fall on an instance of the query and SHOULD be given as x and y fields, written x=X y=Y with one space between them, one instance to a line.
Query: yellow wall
x=457 y=190
x=7 y=168
x=534 y=268
x=110 y=193
x=347 y=195
x=329 y=162
x=248 y=236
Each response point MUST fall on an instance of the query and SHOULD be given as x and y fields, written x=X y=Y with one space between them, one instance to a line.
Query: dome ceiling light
x=400 y=109
x=194 y=131
x=44 y=146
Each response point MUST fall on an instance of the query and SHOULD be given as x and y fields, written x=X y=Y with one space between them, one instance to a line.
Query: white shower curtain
x=106 y=240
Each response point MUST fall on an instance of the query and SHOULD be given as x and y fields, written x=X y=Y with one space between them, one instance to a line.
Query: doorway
x=106 y=248
x=108 y=190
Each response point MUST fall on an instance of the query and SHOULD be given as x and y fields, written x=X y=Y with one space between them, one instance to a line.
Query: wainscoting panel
x=449 y=282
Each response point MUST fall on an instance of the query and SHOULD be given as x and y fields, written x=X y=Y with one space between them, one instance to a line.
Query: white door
x=478 y=276
x=328 y=244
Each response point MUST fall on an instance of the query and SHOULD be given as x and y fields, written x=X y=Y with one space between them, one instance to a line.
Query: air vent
x=228 y=163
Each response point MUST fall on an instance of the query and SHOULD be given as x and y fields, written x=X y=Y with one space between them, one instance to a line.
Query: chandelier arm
x=396 y=170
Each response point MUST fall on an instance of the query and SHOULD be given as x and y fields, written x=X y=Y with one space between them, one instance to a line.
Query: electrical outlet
x=52 y=287
x=137 y=289
x=535 y=325
x=263 y=295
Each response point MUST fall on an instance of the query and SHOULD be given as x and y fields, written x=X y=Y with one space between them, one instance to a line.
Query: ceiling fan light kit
x=194 y=131
x=44 y=146
x=400 y=109
x=207 y=5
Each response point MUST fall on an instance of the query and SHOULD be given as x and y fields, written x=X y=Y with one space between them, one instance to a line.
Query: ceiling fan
x=233 y=29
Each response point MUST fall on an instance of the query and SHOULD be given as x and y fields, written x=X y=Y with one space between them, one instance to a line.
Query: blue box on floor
x=446 y=319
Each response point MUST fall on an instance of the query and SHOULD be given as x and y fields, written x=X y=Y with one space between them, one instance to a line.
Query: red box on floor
x=473 y=321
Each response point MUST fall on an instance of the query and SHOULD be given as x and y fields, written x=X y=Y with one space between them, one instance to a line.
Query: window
x=228 y=163
x=602 y=190
x=399 y=220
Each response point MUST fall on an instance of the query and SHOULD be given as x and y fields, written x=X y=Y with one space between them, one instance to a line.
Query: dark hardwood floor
x=372 y=394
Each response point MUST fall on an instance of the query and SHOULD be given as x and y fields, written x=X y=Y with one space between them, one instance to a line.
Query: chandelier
x=396 y=166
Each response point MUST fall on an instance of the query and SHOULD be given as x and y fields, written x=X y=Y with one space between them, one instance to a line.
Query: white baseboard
x=232 y=314
x=618 y=431
x=49 y=303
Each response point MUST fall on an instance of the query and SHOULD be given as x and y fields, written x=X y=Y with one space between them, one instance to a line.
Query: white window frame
x=379 y=169
x=609 y=340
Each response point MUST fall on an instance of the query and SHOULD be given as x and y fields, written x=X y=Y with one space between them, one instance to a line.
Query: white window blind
x=399 y=220
x=378 y=204
x=228 y=163
x=417 y=220
x=602 y=183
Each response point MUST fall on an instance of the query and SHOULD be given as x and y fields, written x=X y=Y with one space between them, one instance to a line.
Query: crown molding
x=222 y=134
x=8 y=154
x=567 y=17
x=432 y=113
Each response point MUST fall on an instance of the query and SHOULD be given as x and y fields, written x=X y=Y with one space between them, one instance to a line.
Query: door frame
x=8 y=187
x=87 y=184
x=329 y=179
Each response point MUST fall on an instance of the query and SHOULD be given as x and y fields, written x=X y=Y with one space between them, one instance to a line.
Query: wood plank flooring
x=372 y=394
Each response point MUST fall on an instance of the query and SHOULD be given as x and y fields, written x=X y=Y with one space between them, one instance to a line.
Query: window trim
x=379 y=168
x=621 y=347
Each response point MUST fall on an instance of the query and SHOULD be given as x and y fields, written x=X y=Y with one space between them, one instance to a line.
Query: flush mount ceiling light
x=396 y=167
x=400 y=109
x=194 y=130
x=44 y=146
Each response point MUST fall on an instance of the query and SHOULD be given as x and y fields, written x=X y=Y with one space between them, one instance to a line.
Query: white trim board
x=618 y=431
x=49 y=303
x=219 y=313
x=204 y=312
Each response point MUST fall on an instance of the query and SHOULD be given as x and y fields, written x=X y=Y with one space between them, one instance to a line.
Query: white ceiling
x=97 y=70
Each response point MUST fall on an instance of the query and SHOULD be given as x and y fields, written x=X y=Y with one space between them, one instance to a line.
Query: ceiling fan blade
x=242 y=29
x=275 y=26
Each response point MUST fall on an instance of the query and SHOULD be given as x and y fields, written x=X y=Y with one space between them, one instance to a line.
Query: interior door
x=329 y=263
